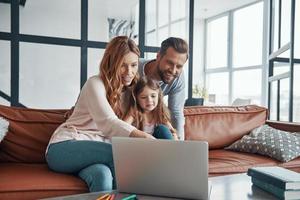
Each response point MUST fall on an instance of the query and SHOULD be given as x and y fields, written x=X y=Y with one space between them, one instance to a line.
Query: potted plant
x=199 y=95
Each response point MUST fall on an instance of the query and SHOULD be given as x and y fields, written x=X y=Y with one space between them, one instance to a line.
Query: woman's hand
x=140 y=134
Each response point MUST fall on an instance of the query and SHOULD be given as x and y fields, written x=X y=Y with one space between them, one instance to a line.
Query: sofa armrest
x=285 y=126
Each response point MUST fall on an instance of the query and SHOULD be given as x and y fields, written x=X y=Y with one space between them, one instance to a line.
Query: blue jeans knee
x=98 y=177
x=162 y=132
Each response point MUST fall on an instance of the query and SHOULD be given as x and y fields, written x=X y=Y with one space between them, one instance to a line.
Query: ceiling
x=209 y=8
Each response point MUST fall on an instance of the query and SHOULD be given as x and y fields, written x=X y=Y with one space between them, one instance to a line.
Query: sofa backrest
x=220 y=126
x=29 y=133
x=30 y=129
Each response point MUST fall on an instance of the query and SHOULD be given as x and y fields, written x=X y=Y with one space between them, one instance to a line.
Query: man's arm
x=176 y=99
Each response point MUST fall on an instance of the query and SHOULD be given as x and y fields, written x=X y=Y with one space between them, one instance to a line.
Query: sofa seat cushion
x=292 y=165
x=224 y=162
x=35 y=181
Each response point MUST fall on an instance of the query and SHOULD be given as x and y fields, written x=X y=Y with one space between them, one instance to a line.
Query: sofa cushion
x=28 y=134
x=220 y=126
x=224 y=162
x=3 y=128
x=265 y=140
x=35 y=181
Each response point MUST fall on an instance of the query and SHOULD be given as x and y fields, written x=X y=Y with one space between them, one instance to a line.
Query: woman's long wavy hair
x=161 y=113
x=110 y=69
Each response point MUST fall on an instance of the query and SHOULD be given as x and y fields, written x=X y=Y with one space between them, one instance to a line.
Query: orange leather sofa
x=24 y=173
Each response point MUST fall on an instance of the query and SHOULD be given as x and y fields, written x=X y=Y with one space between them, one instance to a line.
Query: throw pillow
x=265 y=140
x=3 y=128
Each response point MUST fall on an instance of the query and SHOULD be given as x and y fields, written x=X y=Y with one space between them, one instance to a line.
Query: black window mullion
x=279 y=23
x=15 y=30
x=84 y=38
x=191 y=36
x=142 y=20
x=292 y=45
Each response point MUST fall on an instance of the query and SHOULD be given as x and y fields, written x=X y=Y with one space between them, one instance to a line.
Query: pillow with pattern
x=3 y=128
x=265 y=140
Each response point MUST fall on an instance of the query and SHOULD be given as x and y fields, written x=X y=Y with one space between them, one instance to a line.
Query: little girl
x=147 y=111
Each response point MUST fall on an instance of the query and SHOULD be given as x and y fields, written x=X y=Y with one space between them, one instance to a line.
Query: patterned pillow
x=3 y=128
x=265 y=140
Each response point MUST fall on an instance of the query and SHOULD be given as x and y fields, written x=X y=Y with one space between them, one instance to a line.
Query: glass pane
x=285 y=54
x=163 y=33
x=57 y=18
x=5 y=17
x=4 y=102
x=186 y=77
x=94 y=59
x=217 y=42
x=178 y=9
x=163 y=12
x=150 y=15
x=285 y=21
x=250 y=80
x=275 y=24
x=198 y=53
x=110 y=18
x=151 y=38
x=5 y=67
x=49 y=75
x=280 y=68
x=296 y=101
x=248 y=36
x=179 y=29
x=217 y=86
x=150 y=56
x=297 y=32
x=273 y=103
x=284 y=100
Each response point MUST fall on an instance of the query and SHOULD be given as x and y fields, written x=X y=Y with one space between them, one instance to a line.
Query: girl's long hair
x=161 y=113
x=110 y=69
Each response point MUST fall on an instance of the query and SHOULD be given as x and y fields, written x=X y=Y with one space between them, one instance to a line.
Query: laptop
x=161 y=167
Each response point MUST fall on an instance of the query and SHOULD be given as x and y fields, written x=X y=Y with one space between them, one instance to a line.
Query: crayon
x=103 y=197
x=131 y=197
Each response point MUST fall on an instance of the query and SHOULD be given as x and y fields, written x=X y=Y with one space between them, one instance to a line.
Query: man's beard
x=162 y=77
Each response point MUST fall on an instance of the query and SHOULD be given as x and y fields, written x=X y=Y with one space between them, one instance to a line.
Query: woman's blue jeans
x=92 y=161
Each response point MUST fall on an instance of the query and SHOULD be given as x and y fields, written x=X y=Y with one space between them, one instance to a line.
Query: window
x=234 y=52
x=218 y=84
x=4 y=69
x=247 y=36
x=72 y=38
x=5 y=17
x=247 y=85
x=165 y=18
x=217 y=42
x=53 y=84
x=296 y=106
x=281 y=104
x=57 y=18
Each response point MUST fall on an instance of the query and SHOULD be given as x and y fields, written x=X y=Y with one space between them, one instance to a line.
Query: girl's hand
x=149 y=136
x=175 y=136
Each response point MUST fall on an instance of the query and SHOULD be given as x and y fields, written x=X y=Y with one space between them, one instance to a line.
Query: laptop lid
x=161 y=167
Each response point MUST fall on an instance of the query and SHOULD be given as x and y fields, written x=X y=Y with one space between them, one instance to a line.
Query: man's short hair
x=178 y=44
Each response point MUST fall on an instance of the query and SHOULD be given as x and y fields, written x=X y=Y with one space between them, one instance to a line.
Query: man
x=167 y=70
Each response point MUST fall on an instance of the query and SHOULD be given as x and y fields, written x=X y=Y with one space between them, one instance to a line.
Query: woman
x=81 y=145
